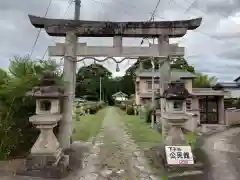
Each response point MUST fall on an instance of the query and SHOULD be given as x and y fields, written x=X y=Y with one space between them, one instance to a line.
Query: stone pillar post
x=165 y=71
x=69 y=73
x=221 y=110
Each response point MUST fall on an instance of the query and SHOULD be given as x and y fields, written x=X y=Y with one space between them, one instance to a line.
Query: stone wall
x=232 y=116
x=192 y=123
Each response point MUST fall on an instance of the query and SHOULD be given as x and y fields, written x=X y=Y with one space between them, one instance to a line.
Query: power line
x=100 y=2
x=39 y=31
x=69 y=5
x=152 y=17
x=193 y=4
x=154 y=11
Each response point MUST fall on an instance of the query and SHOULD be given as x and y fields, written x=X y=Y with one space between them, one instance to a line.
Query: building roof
x=230 y=85
x=120 y=93
x=237 y=79
x=176 y=74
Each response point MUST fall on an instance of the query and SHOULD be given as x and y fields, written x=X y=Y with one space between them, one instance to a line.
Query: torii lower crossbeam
x=106 y=51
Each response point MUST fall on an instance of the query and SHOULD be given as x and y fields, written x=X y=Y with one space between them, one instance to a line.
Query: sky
x=213 y=48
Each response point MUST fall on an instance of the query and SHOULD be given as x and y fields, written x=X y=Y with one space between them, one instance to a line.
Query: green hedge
x=130 y=110
x=148 y=113
x=93 y=107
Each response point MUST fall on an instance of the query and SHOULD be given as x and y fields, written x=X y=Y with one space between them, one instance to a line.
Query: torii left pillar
x=69 y=73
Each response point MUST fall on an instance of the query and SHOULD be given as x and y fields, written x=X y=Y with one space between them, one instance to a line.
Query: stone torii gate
x=71 y=29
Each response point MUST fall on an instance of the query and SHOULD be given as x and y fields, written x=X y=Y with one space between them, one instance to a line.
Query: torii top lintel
x=82 y=28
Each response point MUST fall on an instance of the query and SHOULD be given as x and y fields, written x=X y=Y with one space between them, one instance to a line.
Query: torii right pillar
x=165 y=74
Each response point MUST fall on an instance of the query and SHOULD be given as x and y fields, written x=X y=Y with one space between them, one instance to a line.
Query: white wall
x=120 y=99
x=234 y=93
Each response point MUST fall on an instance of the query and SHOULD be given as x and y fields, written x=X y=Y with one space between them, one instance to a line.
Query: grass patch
x=141 y=132
x=88 y=126
x=191 y=139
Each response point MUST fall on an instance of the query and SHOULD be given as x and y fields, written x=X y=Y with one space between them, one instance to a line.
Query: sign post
x=177 y=155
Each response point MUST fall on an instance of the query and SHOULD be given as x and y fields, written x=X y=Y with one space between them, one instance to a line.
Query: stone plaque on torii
x=71 y=29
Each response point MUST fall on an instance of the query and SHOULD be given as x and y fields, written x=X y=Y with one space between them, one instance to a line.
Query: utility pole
x=153 y=86
x=100 y=93
x=69 y=75
x=77 y=9
x=76 y=17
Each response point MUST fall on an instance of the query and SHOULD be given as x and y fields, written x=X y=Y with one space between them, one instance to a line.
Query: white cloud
x=213 y=48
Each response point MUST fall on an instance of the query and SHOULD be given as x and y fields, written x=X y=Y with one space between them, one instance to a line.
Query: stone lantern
x=175 y=113
x=175 y=153
x=46 y=155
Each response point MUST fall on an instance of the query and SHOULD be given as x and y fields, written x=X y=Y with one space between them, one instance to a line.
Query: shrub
x=130 y=110
x=93 y=110
x=101 y=105
x=16 y=132
x=123 y=107
x=149 y=115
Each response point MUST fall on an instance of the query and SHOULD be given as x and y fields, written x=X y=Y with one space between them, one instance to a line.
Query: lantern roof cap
x=47 y=88
x=176 y=91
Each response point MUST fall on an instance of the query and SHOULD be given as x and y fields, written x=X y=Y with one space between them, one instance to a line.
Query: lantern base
x=49 y=167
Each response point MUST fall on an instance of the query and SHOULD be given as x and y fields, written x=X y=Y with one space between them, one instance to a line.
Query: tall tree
x=88 y=80
x=127 y=84
x=181 y=63
x=203 y=80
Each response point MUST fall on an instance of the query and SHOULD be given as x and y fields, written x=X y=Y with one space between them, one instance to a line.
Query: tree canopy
x=203 y=80
x=88 y=77
x=177 y=63
x=88 y=82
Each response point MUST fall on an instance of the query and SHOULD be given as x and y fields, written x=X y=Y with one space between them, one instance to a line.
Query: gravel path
x=115 y=155
x=222 y=151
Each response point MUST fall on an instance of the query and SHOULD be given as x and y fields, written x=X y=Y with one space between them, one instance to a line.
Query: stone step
x=212 y=129
x=195 y=167
x=187 y=175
